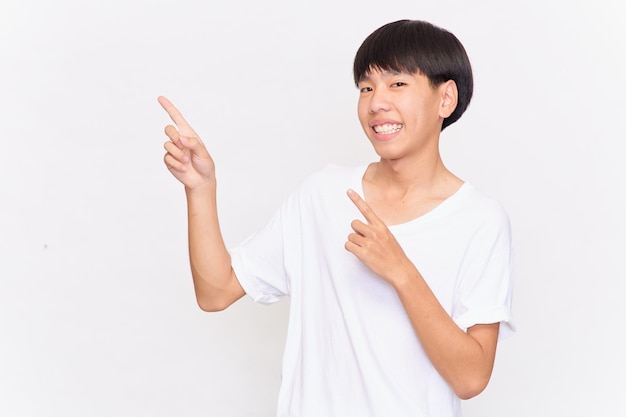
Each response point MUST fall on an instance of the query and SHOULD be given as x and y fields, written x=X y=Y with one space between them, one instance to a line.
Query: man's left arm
x=464 y=359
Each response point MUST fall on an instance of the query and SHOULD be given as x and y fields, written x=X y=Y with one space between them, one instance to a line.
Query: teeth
x=388 y=128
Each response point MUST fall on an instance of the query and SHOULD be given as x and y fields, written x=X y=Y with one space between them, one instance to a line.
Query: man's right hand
x=187 y=158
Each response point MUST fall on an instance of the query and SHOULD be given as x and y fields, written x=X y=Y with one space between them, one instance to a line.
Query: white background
x=97 y=313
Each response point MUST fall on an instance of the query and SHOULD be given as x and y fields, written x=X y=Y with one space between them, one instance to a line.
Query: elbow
x=211 y=305
x=210 y=308
x=214 y=300
x=470 y=388
x=211 y=297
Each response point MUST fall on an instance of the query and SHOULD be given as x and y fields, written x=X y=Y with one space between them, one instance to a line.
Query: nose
x=379 y=101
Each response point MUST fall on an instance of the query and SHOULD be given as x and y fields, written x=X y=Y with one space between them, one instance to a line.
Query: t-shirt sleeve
x=259 y=262
x=485 y=293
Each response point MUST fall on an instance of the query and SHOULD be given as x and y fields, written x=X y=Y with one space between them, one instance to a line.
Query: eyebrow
x=386 y=74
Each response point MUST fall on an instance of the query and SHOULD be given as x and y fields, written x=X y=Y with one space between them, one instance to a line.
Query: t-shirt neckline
x=439 y=210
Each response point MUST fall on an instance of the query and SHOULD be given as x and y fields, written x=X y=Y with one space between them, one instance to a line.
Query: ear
x=449 y=98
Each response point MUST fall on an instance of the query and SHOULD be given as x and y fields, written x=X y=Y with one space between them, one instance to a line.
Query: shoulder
x=325 y=190
x=483 y=211
x=478 y=203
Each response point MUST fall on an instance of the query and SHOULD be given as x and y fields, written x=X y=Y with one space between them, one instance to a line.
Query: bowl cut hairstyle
x=412 y=46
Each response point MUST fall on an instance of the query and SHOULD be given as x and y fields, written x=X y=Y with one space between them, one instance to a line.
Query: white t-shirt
x=351 y=349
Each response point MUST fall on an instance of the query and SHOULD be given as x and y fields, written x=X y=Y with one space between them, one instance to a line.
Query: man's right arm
x=187 y=158
x=214 y=280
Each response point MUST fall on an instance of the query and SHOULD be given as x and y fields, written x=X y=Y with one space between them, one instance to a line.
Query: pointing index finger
x=363 y=207
x=174 y=114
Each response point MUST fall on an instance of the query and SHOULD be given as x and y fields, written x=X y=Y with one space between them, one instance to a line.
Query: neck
x=398 y=191
x=406 y=175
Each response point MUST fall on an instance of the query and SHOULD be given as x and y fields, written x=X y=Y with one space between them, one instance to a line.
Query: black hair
x=414 y=45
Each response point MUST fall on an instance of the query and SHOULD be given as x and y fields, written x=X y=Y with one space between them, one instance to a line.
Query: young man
x=399 y=290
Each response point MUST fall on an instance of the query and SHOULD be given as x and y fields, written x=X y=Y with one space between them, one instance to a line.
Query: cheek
x=362 y=112
x=418 y=111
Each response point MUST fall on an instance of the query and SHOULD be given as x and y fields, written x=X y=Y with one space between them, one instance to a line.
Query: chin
x=388 y=151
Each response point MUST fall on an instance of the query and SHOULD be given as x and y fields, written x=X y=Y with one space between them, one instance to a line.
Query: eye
x=365 y=89
x=398 y=84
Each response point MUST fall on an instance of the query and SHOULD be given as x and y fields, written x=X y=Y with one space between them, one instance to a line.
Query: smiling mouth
x=388 y=129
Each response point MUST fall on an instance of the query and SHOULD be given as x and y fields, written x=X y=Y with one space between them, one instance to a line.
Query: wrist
x=201 y=190
x=407 y=279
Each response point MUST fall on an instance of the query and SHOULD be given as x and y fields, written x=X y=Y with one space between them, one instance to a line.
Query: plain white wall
x=97 y=313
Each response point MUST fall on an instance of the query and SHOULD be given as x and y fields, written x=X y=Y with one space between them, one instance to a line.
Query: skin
x=215 y=283
x=408 y=181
